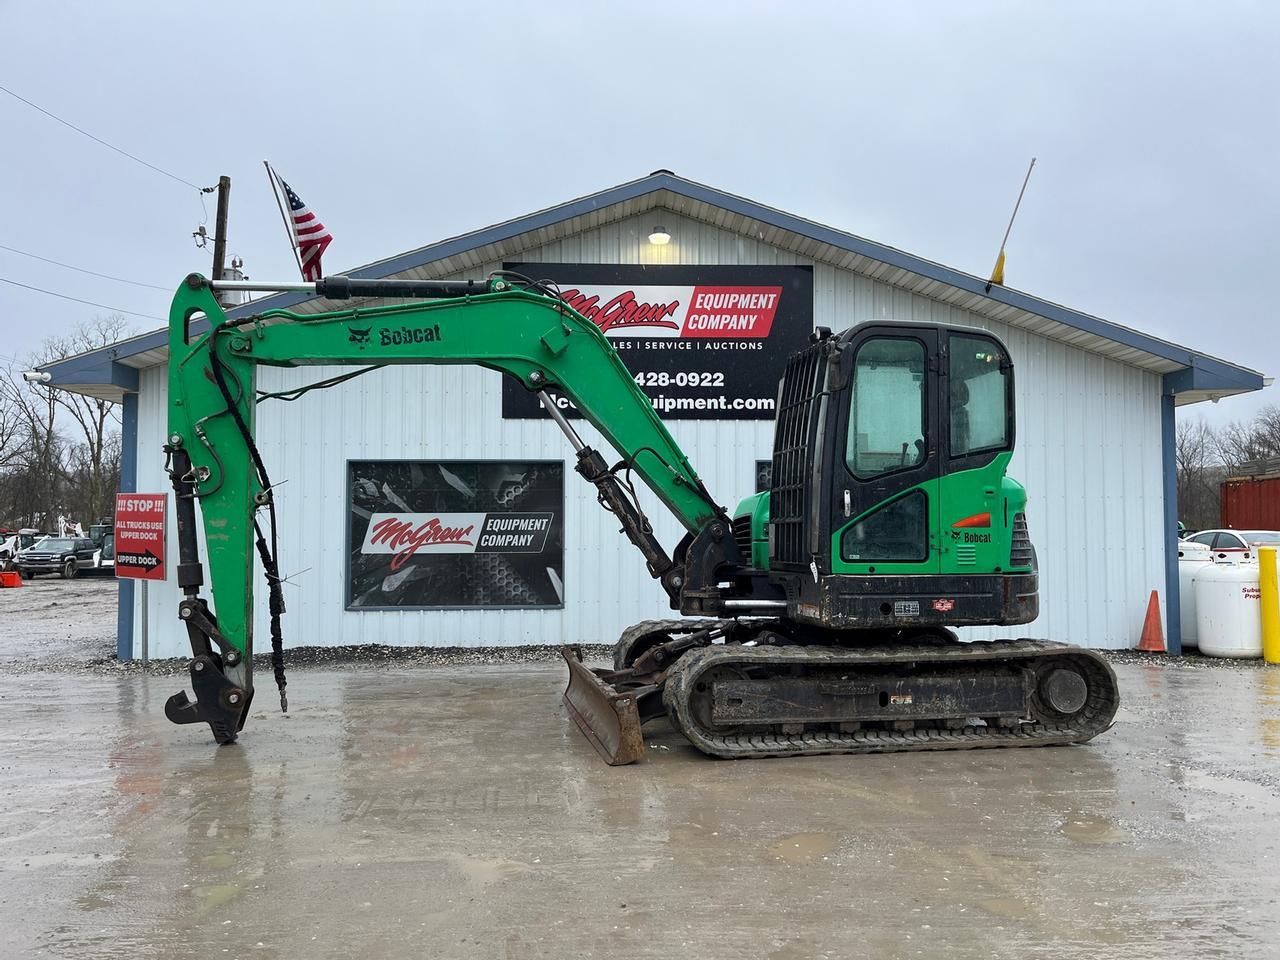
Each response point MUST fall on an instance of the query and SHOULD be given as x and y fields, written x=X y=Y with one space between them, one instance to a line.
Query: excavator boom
x=516 y=327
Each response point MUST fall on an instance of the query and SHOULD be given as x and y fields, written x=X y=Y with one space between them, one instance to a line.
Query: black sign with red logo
x=704 y=343
x=431 y=534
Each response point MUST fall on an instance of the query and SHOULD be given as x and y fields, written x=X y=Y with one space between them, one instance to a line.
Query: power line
x=135 y=313
x=92 y=273
x=109 y=146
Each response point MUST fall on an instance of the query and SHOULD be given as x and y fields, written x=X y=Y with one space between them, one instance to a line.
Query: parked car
x=1238 y=544
x=11 y=541
x=107 y=552
x=65 y=556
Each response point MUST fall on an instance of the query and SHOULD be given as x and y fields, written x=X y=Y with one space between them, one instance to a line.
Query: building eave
x=1189 y=375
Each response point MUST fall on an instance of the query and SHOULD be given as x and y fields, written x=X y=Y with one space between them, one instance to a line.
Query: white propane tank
x=1229 y=610
x=1192 y=558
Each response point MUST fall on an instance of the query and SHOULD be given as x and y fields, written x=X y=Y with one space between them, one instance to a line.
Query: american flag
x=309 y=235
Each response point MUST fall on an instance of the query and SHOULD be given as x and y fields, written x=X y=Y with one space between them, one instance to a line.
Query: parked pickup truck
x=65 y=556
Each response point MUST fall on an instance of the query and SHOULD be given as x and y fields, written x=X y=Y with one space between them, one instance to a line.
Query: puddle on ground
x=1005 y=907
x=1092 y=830
x=217 y=895
x=483 y=872
x=803 y=847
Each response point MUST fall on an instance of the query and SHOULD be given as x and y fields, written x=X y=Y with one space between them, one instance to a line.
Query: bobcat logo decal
x=358 y=336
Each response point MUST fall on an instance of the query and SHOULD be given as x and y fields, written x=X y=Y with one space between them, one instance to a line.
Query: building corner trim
x=128 y=484
x=1169 y=458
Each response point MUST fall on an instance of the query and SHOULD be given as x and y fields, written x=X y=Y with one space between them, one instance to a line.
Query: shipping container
x=1251 y=503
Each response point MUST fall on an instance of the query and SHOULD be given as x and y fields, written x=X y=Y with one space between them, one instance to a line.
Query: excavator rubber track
x=739 y=702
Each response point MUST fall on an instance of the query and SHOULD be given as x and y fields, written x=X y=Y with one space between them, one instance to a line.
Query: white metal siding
x=1088 y=450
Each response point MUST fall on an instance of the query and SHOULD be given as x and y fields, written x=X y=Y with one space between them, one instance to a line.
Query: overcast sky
x=1154 y=202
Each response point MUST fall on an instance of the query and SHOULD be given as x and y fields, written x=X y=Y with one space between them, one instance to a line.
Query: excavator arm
x=514 y=326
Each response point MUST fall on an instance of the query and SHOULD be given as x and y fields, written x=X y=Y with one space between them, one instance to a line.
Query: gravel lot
x=455 y=811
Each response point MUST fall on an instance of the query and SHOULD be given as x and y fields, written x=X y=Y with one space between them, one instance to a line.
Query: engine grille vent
x=792 y=452
x=742 y=534
x=1021 y=553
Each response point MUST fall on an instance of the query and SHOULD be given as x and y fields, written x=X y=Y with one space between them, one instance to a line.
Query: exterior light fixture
x=659 y=236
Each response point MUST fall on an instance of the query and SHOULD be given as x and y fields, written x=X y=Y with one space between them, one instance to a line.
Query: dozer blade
x=607 y=717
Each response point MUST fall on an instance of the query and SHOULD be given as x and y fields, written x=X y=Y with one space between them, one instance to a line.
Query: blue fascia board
x=1204 y=373
x=99 y=367
x=1240 y=378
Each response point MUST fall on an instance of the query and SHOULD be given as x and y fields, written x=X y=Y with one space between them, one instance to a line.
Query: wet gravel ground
x=70 y=626
x=456 y=811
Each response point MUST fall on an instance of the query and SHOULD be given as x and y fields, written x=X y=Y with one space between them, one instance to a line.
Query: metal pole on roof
x=220 y=231
x=997 y=273
x=284 y=218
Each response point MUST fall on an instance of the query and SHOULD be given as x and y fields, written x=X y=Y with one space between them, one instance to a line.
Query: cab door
x=977 y=524
x=885 y=484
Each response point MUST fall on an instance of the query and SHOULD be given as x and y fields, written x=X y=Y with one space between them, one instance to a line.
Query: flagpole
x=999 y=268
x=275 y=192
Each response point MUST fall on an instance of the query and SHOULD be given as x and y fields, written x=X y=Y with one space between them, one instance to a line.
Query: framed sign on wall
x=449 y=534
x=702 y=342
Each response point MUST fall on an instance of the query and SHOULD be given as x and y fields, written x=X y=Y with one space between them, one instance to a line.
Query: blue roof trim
x=1208 y=374
x=1202 y=372
x=99 y=367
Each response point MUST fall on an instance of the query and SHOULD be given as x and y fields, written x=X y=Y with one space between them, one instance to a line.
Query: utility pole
x=220 y=232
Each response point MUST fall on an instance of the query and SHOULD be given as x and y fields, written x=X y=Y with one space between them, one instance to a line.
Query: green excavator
x=816 y=618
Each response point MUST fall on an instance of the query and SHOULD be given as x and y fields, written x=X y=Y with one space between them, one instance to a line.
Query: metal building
x=1095 y=429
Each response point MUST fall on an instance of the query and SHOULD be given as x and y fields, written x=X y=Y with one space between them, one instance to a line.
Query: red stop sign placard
x=140 y=535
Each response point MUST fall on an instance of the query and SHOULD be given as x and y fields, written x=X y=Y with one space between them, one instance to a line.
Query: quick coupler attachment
x=219 y=702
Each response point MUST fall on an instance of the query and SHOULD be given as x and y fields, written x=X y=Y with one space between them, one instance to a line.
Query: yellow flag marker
x=997 y=275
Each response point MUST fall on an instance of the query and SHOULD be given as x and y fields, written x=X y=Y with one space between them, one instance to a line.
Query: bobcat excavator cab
x=815 y=619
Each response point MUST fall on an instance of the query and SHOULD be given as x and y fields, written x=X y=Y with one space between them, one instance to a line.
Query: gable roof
x=1190 y=375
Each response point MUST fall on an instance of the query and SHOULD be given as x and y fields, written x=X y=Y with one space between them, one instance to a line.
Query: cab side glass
x=979 y=394
x=897 y=531
x=887 y=412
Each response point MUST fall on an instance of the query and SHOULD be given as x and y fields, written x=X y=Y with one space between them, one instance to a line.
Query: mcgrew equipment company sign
x=704 y=343
x=455 y=533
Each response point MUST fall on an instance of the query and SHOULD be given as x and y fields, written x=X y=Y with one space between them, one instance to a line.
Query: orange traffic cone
x=1152 y=635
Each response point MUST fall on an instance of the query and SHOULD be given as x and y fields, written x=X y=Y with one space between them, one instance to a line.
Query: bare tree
x=1196 y=452
x=96 y=419
x=10 y=429
x=39 y=450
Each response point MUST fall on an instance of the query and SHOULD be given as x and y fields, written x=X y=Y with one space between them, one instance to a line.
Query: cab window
x=978 y=374
x=887 y=412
